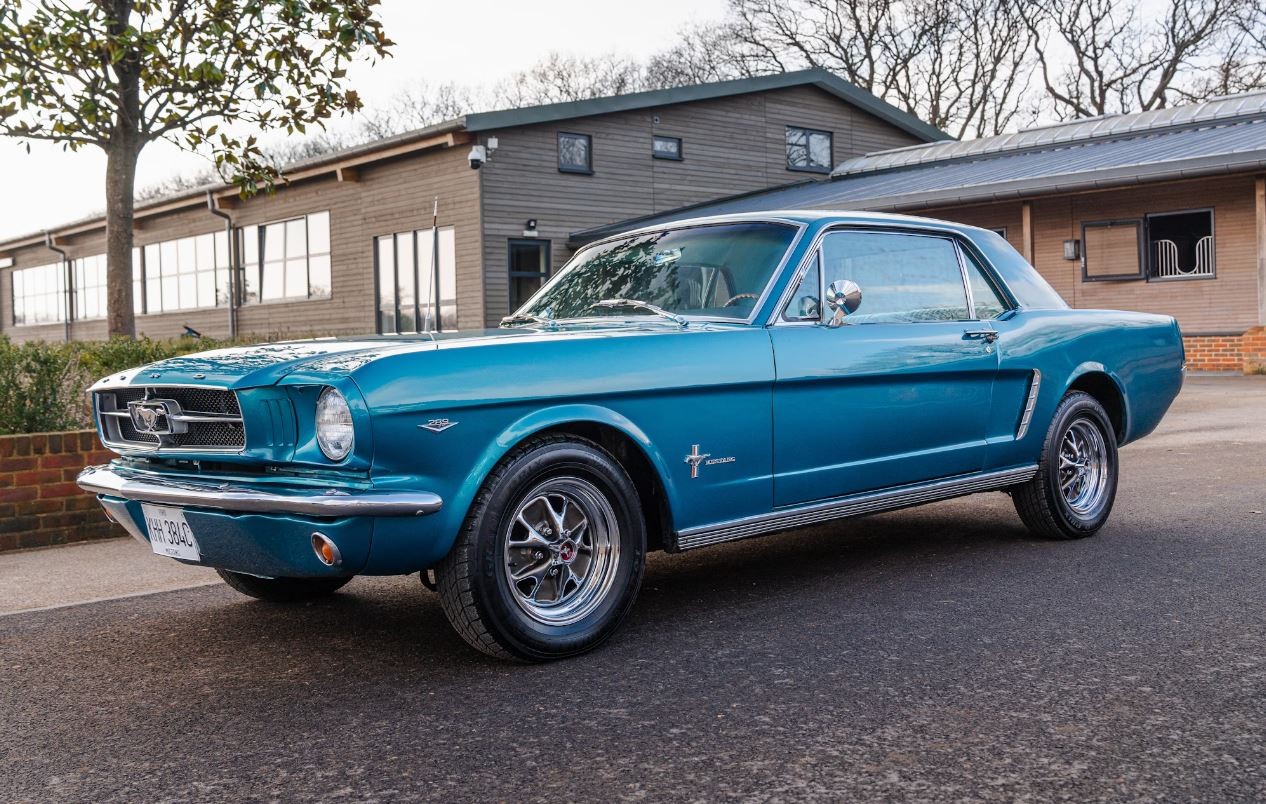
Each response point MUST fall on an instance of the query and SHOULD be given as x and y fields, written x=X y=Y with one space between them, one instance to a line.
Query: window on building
x=1111 y=250
x=39 y=294
x=809 y=149
x=287 y=260
x=1180 y=245
x=1000 y=231
x=666 y=147
x=904 y=278
x=405 y=278
x=529 y=268
x=575 y=153
x=189 y=273
x=88 y=279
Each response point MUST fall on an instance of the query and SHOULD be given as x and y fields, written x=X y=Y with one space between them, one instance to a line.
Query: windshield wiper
x=641 y=305
x=528 y=318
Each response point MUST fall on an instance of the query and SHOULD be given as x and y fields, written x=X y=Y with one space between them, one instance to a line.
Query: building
x=346 y=245
x=1161 y=211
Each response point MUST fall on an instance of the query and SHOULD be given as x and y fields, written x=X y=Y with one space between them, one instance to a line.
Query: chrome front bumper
x=221 y=496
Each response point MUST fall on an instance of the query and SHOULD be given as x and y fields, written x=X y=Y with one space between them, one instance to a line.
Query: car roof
x=807 y=218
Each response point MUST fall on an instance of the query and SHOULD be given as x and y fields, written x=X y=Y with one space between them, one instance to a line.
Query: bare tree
x=961 y=65
x=558 y=78
x=701 y=55
x=1101 y=57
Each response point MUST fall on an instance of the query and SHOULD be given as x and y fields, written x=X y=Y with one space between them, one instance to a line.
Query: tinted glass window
x=808 y=149
x=903 y=277
x=575 y=153
x=666 y=147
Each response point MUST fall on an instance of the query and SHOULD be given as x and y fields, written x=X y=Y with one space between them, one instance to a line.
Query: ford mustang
x=670 y=388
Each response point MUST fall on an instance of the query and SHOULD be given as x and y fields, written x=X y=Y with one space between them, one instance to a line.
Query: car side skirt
x=855 y=505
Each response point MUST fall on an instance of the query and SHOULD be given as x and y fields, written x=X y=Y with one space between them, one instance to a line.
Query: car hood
x=267 y=364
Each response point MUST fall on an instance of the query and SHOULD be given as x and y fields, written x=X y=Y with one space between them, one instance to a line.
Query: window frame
x=420 y=307
x=681 y=153
x=63 y=294
x=1140 y=246
x=1150 y=268
x=260 y=260
x=808 y=132
x=142 y=277
x=511 y=274
x=588 y=138
x=962 y=247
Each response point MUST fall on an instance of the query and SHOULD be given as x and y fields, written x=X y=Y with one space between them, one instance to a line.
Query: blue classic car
x=670 y=388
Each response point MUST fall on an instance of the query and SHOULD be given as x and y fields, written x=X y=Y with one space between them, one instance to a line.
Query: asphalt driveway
x=932 y=654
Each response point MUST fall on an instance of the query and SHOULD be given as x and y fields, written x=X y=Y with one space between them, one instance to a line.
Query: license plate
x=169 y=533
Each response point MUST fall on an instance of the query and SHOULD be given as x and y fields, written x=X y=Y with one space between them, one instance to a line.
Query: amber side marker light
x=326 y=551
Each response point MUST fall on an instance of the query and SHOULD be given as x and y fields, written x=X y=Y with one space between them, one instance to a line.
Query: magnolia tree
x=120 y=74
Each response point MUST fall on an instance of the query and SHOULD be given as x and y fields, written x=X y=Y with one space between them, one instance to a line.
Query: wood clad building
x=346 y=246
x=1161 y=211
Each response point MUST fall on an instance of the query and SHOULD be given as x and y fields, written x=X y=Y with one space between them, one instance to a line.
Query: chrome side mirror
x=843 y=298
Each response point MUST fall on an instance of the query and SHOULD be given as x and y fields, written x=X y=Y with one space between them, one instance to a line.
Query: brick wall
x=40 y=504
x=1246 y=352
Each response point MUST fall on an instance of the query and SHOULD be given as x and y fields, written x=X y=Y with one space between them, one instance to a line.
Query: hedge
x=43 y=386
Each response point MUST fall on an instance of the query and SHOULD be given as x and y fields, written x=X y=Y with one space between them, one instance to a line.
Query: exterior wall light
x=1072 y=249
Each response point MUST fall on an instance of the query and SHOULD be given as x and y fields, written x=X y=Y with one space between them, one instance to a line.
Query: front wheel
x=551 y=555
x=282 y=590
x=1072 y=493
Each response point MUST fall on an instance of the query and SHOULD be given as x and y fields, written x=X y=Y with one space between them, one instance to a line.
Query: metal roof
x=1236 y=107
x=818 y=77
x=1153 y=146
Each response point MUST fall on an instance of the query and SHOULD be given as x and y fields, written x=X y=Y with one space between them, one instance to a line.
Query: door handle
x=987 y=335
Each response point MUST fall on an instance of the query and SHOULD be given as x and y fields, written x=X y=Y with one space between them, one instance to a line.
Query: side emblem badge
x=697 y=459
x=438 y=425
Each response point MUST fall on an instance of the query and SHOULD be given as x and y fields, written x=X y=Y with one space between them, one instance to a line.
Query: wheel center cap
x=567 y=551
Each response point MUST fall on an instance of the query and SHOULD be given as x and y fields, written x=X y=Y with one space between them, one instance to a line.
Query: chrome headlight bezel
x=335 y=431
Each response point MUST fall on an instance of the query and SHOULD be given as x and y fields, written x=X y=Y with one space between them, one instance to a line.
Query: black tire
x=282 y=590
x=1041 y=503
x=473 y=579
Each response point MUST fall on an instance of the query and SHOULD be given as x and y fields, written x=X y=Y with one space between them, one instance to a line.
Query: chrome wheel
x=561 y=551
x=1083 y=468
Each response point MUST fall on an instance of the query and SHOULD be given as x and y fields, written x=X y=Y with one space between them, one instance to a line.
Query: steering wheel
x=739 y=297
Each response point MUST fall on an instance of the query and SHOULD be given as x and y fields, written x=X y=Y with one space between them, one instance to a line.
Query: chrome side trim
x=243 y=499
x=1027 y=415
x=856 y=505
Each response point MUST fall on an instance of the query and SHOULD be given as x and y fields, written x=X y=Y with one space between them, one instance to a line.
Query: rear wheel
x=1072 y=493
x=282 y=590
x=551 y=555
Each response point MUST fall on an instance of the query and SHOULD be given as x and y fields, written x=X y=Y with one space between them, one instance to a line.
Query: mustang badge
x=697 y=459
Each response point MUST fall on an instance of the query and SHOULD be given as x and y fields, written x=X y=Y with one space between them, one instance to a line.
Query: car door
x=897 y=391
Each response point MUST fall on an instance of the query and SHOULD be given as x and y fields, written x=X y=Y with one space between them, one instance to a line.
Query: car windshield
x=711 y=271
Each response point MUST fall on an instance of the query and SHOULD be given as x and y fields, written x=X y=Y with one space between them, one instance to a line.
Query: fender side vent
x=1026 y=415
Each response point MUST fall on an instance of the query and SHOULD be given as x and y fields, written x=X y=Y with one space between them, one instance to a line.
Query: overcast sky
x=467 y=43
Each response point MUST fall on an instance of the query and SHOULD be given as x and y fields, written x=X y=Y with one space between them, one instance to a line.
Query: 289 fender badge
x=438 y=425
x=697 y=459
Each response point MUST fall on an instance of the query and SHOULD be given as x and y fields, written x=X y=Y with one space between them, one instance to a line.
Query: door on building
x=529 y=268
x=898 y=393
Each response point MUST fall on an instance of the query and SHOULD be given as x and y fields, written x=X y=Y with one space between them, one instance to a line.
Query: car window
x=717 y=271
x=806 y=302
x=904 y=277
x=989 y=303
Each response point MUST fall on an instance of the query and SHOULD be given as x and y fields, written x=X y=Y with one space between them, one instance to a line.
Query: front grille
x=215 y=425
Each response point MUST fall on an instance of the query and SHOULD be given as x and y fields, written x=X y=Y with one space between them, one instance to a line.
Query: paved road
x=932 y=654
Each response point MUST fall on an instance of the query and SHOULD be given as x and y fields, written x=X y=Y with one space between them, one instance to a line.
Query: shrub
x=43 y=386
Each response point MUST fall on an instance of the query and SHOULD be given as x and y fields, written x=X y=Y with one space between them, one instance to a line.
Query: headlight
x=334 y=425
